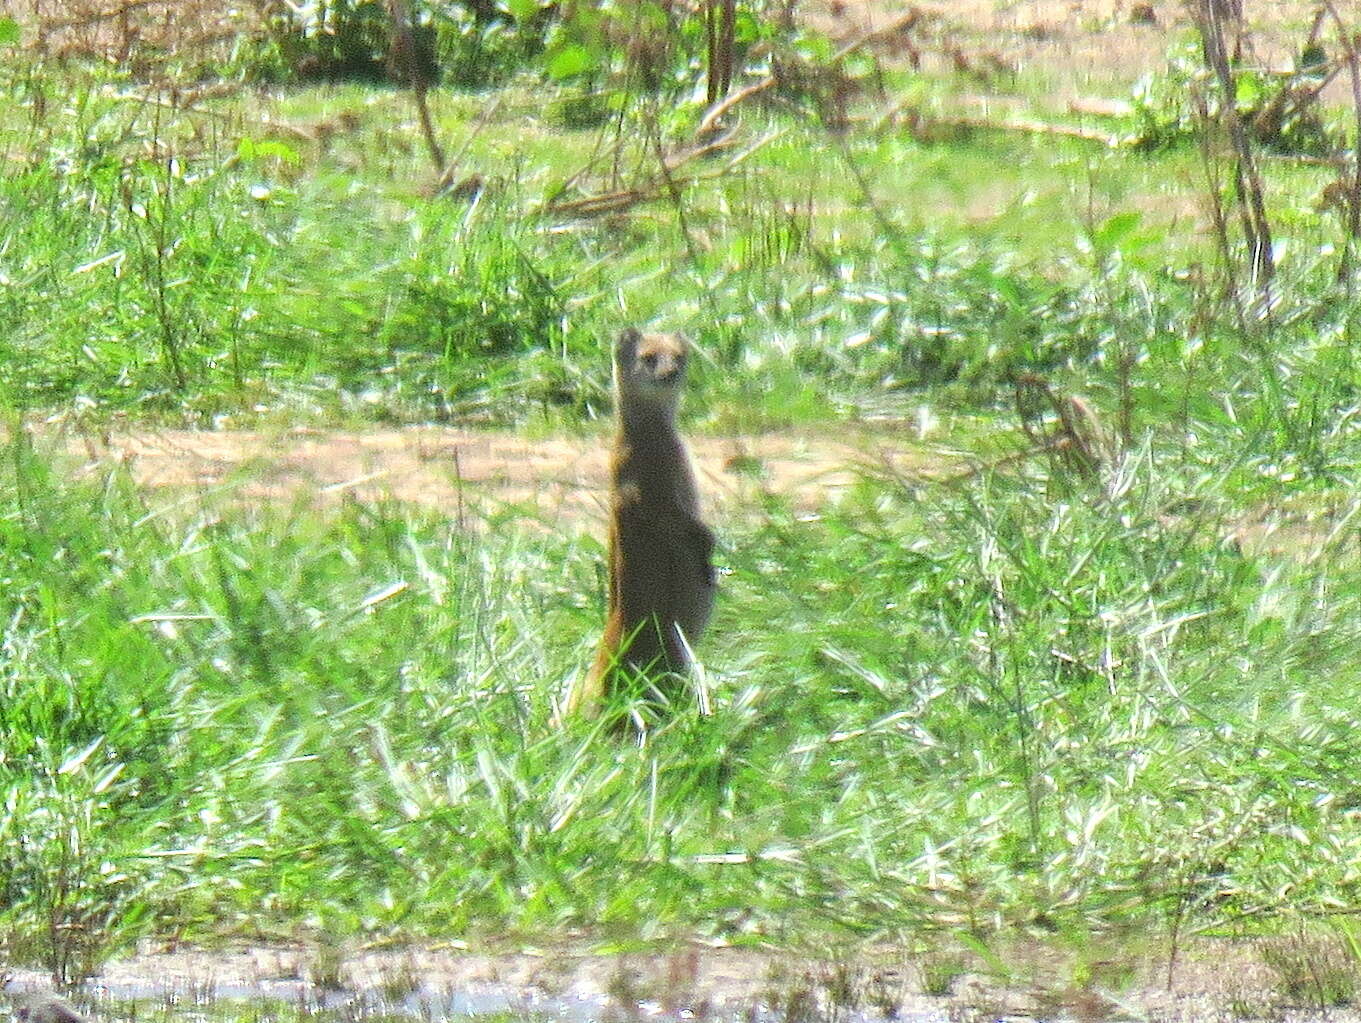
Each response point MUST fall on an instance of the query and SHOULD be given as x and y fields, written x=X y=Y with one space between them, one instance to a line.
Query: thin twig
x=1353 y=210
x=716 y=112
x=656 y=186
x=988 y=124
x=720 y=107
x=1252 y=207
x=1215 y=190
x=404 y=59
x=483 y=119
x=93 y=18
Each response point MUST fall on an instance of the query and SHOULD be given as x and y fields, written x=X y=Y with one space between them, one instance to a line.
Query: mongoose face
x=650 y=367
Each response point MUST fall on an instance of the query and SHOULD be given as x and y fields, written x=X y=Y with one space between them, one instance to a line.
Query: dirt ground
x=558 y=481
x=1086 y=48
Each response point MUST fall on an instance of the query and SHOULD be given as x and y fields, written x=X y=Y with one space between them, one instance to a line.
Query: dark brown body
x=661 y=569
x=40 y=1008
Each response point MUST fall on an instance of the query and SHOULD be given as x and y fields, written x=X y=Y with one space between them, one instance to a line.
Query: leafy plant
x=345 y=39
x=1282 y=111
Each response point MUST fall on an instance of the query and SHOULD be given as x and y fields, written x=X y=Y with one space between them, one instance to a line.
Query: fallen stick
x=446 y=180
x=622 y=199
x=986 y=124
x=716 y=112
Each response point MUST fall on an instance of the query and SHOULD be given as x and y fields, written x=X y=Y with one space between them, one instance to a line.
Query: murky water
x=208 y=1001
x=1211 y=980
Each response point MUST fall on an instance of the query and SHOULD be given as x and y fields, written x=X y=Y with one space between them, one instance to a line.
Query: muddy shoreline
x=1209 y=980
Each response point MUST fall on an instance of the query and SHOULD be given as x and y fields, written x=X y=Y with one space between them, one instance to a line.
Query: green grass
x=246 y=271
x=971 y=708
x=1005 y=702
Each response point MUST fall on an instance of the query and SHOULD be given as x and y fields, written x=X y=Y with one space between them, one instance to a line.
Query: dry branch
x=924 y=123
x=446 y=179
x=716 y=112
x=1064 y=426
x=721 y=107
x=1211 y=16
x=91 y=19
x=404 y=61
x=656 y=186
x=1100 y=106
x=1352 y=187
x=900 y=24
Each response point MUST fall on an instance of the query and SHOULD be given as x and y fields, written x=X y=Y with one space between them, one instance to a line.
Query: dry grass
x=1078 y=47
x=139 y=32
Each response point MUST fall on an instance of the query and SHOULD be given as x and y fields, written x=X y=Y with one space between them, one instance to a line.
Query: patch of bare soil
x=1081 y=44
x=561 y=482
x=470 y=475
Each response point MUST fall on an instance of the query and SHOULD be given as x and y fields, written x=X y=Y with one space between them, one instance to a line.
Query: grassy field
x=1016 y=700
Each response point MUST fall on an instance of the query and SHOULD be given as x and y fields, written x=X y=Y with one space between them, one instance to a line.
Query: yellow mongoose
x=42 y=1008
x=661 y=572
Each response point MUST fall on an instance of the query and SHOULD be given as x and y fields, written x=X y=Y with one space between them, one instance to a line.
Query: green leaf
x=9 y=31
x=569 y=61
x=746 y=29
x=1312 y=58
x=76 y=762
x=1248 y=91
x=522 y=10
x=814 y=48
x=1113 y=230
x=249 y=149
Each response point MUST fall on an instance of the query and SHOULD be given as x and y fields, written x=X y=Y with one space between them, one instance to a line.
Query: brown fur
x=42 y=1008
x=661 y=573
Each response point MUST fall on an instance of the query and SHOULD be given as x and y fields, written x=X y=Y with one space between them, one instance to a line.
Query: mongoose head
x=650 y=368
x=42 y=1008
